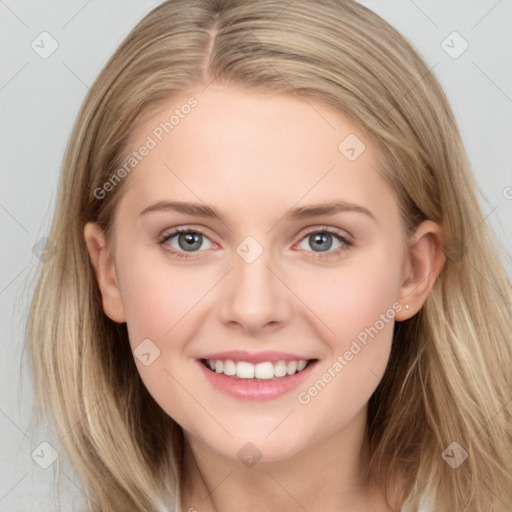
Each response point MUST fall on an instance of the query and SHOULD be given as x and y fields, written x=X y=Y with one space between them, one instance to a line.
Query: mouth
x=265 y=371
x=256 y=376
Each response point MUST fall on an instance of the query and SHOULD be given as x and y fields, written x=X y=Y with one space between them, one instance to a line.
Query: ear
x=105 y=270
x=424 y=260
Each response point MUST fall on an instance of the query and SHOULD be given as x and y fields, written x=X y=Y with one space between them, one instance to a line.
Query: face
x=270 y=279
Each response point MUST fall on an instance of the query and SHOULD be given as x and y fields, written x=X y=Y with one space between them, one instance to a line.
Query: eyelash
x=327 y=255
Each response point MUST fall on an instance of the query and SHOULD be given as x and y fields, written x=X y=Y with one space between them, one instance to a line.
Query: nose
x=255 y=299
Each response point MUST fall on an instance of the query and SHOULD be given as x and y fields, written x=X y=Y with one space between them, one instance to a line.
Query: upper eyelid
x=172 y=232
x=331 y=230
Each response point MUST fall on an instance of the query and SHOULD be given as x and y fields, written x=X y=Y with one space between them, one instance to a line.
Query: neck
x=331 y=474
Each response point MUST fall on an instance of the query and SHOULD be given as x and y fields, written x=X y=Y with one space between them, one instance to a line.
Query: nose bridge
x=255 y=296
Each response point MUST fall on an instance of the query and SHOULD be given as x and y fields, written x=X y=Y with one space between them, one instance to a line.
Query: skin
x=253 y=157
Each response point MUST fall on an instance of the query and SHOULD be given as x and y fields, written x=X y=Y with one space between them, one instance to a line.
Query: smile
x=261 y=381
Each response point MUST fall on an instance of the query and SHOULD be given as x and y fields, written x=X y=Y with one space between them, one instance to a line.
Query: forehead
x=245 y=149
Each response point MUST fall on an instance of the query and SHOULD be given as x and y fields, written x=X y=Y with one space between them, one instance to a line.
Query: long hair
x=449 y=377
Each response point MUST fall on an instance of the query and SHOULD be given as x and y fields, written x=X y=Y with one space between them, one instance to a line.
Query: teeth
x=229 y=368
x=280 y=369
x=301 y=365
x=263 y=371
x=244 y=370
x=291 y=367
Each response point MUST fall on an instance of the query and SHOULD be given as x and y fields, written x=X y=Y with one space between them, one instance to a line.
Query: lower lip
x=248 y=389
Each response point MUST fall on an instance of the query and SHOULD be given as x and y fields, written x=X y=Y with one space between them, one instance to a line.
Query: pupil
x=324 y=241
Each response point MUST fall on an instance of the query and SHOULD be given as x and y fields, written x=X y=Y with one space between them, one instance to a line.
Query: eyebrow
x=303 y=212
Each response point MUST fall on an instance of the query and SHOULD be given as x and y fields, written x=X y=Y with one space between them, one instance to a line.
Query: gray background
x=40 y=98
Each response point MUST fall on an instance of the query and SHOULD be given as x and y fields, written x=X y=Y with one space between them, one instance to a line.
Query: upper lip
x=255 y=357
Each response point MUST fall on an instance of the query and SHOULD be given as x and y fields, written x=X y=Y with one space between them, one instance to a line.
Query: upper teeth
x=266 y=370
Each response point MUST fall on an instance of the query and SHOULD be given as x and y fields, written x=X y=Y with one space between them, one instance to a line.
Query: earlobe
x=104 y=267
x=425 y=260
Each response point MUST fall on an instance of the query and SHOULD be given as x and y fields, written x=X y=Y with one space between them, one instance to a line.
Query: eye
x=181 y=241
x=184 y=240
x=321 y=241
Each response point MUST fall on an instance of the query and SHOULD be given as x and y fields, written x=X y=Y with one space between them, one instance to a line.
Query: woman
x=164 y=371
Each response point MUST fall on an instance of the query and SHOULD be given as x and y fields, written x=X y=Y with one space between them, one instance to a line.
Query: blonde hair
x=449 y=376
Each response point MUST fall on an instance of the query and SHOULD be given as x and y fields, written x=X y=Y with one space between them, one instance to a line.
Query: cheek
x=157 y=297
x=358 y=307
x=352 y=298
x=160 y=304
